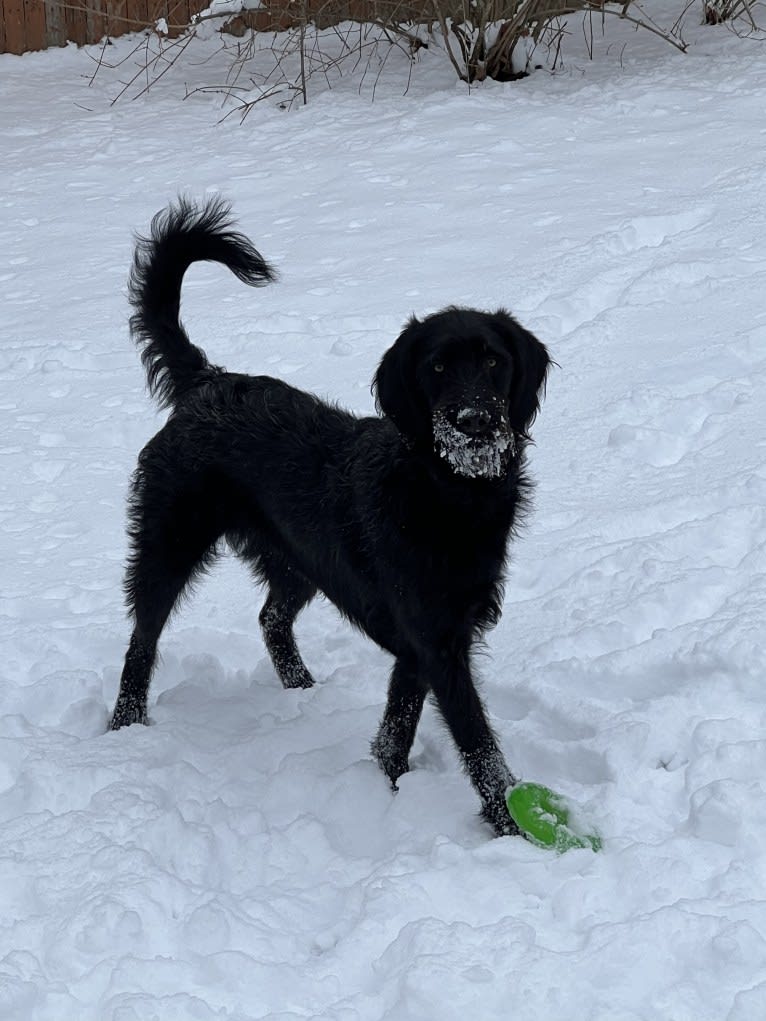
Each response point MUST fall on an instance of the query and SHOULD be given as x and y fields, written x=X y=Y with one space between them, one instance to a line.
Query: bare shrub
x=483 y=36
x=277 y=49
x=715 y=12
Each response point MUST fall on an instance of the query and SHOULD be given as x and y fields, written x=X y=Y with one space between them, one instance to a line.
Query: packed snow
x=243 y=858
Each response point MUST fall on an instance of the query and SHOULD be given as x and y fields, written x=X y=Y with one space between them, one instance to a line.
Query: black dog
x=402 y=521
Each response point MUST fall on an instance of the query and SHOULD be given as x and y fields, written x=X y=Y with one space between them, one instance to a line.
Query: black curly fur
x=180 y=235
x=368 y=511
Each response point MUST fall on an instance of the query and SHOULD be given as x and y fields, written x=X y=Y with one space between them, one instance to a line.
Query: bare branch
x=323 y=39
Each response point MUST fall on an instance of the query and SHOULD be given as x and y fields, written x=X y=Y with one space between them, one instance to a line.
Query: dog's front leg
x=392 y=744
x=461 y=707
x=134 y=684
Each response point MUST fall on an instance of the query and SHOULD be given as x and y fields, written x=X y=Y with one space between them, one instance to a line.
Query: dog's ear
x=395 y=385
x=530 y=367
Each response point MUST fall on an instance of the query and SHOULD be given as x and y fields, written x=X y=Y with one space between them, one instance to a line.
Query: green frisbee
x=543 y=818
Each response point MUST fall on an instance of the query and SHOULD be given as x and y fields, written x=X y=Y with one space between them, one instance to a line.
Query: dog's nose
x=473 y=421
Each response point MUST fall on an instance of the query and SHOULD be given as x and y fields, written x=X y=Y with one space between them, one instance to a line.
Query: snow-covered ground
x=243 y=858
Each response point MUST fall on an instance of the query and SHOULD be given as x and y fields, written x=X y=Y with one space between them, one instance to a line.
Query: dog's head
x=466 y=385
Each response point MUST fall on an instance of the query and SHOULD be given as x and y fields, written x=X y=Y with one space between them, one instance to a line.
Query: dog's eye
x=438 y=367
x=492 y=362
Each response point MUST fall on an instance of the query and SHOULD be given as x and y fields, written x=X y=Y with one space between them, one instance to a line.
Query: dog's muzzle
x=475 y=442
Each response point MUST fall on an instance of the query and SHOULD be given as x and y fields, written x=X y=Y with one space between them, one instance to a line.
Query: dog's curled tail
x=180 y=235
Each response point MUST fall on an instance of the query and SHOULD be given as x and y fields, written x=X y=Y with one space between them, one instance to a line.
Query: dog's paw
x=299 y=678
x=128 y=711
x=496 y=814
x=393 y=763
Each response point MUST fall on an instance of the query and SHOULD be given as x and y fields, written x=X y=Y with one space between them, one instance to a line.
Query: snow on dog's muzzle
x=475 y=444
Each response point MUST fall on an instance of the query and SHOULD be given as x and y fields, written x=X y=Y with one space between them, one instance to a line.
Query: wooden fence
x=36 y=24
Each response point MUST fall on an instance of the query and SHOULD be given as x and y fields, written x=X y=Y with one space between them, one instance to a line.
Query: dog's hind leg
x=289 y=592
x=392 y=744
x=169 y=551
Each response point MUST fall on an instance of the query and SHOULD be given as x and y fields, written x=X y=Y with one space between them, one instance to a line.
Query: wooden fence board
x=15 y=34
x=96 y=21
x=76 y=22
x=178 y=14
x=55 y=22
x=35 y=28
x=138 y=12
x=116 y=17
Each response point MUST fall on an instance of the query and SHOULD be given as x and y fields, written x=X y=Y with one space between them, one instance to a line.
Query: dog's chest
x=452 y=549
